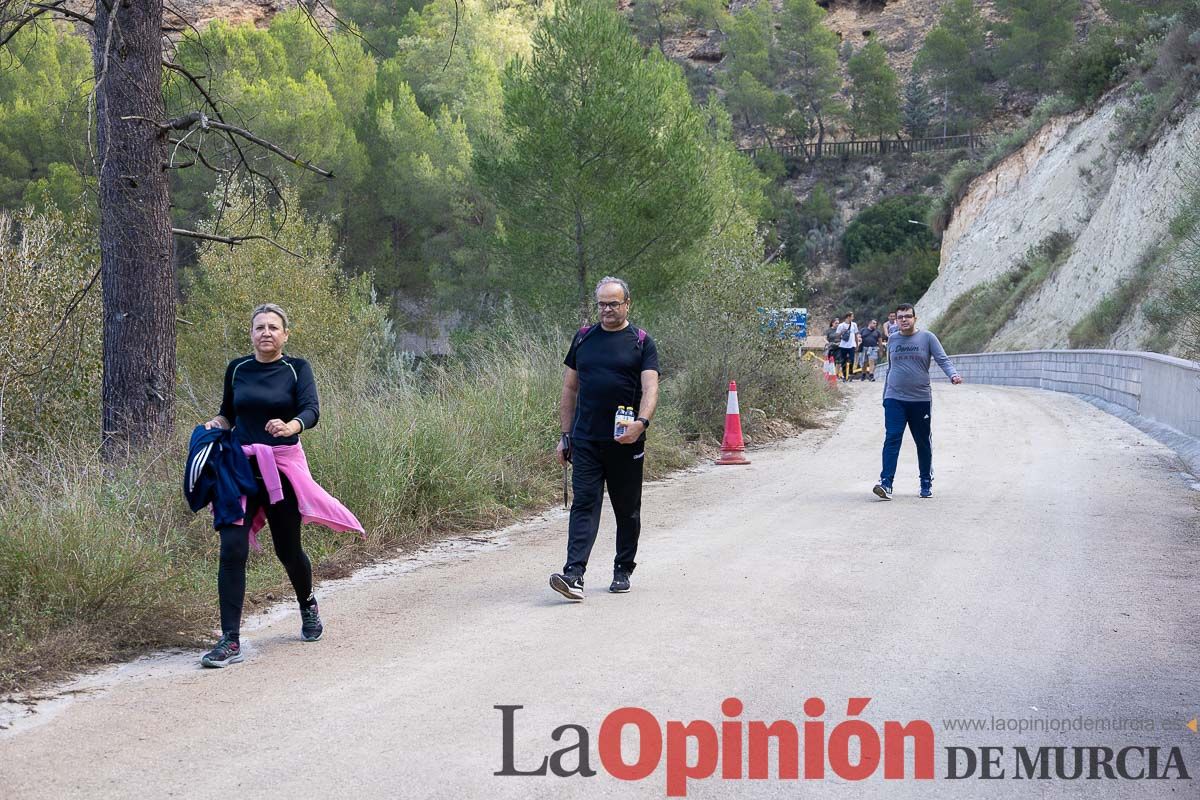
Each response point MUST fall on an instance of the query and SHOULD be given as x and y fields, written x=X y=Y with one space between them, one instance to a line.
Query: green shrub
x=806 y=229
x=1168 y=76
x=817 y=210
x=883 y=280
x=893 y=256
x=1090 y=68
x=888 y=227
x=715 y=335
x=51 y=346
x=1098 y=327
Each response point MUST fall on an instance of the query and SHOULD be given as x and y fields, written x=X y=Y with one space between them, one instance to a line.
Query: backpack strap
x=586 y=331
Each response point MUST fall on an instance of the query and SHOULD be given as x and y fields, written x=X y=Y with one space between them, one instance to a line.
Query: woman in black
x=269 y=399
x=831 y=338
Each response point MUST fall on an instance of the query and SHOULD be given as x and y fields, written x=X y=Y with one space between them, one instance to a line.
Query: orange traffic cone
x=732 y=446
x=831 y=371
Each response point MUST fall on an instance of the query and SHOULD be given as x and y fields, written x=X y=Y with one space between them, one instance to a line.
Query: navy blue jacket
x=219 y=473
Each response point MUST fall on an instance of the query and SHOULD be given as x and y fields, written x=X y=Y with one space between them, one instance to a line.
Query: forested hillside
x=1086 y=234
x=484 y=161
x=404 y=102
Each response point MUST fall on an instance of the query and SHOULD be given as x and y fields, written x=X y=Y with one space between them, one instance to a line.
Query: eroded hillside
x=1115 y=207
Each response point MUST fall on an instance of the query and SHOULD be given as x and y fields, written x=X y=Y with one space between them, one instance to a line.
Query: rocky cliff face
x=1072 y=176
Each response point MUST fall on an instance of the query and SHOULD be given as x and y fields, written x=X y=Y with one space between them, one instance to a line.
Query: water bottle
x=621 y=421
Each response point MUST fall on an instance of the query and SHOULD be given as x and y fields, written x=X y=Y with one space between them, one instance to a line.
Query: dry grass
x=98 y=563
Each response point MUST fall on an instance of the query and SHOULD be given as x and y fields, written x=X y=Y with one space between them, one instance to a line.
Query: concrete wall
x=1159 y=388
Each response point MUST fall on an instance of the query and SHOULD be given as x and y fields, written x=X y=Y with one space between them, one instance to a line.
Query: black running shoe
x=310 y=624
x=620 y=582
x=569 y=586
x=228 y=651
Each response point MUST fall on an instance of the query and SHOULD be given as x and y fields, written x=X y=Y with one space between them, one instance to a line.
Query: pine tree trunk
x=585 y=304
x=138 y=283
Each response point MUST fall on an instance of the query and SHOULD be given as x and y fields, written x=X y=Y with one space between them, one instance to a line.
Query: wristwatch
x=645 y=422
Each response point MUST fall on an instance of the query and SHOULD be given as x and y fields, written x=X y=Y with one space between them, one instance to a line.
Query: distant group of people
x=853 y=347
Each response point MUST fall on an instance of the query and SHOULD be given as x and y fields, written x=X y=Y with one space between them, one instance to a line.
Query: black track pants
x=284 y=519
x=594 y=465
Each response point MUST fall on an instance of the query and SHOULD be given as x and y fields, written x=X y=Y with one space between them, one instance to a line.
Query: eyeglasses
x=613 y=306
x=906 y=316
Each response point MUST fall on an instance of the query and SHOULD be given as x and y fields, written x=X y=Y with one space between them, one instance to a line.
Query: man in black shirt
x=609 y=365
x=871 y=337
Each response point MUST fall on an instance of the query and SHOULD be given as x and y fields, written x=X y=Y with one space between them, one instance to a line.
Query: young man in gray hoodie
x=907 y=399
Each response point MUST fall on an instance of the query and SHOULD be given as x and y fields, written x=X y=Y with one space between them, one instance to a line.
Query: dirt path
x=1053 y=576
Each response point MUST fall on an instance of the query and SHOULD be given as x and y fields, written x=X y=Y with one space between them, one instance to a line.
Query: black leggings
x=284 y=519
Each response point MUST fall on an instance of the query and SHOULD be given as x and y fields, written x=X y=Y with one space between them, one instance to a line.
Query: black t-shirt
x=610 y=365
x=256 y=392
x=870 y=338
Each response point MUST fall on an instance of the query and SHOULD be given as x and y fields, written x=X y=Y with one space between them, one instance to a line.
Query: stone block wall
x=1157 y=387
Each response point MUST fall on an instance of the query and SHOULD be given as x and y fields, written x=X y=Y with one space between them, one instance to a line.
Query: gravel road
x=1053 y=576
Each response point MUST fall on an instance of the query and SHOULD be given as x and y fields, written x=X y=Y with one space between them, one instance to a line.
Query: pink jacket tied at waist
x=317 y=506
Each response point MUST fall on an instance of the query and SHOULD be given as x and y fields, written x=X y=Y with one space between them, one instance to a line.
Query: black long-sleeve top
x=256 y=392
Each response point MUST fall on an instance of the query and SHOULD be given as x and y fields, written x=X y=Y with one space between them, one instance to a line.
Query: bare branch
x=242 y=160
x=187 y=22
x=20 y=21
x=453 y=38
x=345 y=25
x=60 y=8
x=194 y=81
x=199 y=154
x=232 y=240
x=307 y=9
x=198 y=117
x=71 y=306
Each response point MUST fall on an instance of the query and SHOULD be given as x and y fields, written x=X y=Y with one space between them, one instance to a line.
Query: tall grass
x=975 y=316
x=98 y=563
x=1096 y=329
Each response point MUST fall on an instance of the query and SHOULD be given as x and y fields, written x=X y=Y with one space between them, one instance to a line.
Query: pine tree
x=917 y=112
x=601 y=167
x=1035 y=32
x=654 y=20
x=807 y=55
x=749 y=74
x=874 y=91
x=953 y=62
